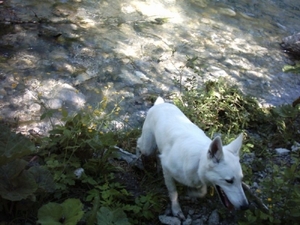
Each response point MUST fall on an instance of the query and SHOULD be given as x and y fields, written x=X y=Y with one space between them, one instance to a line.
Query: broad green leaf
x=50 y=214
x=72 y=210
x=13 y=146
x=43 y=178
x=67 y=213
x=15 y=182
x=93 y=213
x=105 y=216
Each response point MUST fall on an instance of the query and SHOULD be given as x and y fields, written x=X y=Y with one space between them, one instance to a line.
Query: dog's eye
x=229 y=181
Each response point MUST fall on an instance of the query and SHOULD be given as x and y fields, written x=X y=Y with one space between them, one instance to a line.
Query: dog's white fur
x=188 y=156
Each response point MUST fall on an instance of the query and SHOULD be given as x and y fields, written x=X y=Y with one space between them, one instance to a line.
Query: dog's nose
x=244 y=207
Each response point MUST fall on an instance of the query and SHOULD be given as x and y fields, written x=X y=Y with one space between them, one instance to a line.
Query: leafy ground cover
x=71 y=176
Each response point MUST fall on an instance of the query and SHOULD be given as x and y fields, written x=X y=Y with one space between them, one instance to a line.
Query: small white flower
x=78 y=172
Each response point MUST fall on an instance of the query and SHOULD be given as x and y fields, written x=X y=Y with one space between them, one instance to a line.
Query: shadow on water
x=67 y=53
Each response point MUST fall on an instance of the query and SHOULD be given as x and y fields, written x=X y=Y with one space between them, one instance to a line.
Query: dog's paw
x=179 y=214
x=176 y=209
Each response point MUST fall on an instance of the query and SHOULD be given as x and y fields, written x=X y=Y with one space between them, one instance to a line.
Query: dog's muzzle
x=226 y=202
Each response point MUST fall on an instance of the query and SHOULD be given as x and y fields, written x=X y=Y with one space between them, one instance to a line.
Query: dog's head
x=225 y=173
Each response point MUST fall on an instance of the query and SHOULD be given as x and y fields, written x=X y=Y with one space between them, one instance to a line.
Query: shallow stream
x=71 y=53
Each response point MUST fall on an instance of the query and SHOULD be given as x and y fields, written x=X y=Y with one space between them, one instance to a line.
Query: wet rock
x=142 y=76
x=188 y=221
x=24 y=60
x=191 y=212
x=217 y=72
x=227 y=11
x=58 y=54
x=81 y=78
x=291 y=45
x=169 y=220
x=214 y=218
x=56 y=94
x=198 y=222
x=87 y=23
x=34 y=107
x=54 y=103
x=248 y=16
x=133 y=79
x=64 y=67
x=199 y=3
x=48 y=31
x=67 y=93
x=2 y=93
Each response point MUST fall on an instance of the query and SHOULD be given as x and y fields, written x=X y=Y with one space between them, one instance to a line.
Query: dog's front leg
x=176 y=210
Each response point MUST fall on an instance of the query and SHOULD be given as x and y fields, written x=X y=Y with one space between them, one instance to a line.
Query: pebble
x=255 y=185
x=188 y=221
x=295 y=147
x=248 y=158
x=198 y=222
x=169 y=220
x=282 y=151
x=214 y=218
x=227 y=11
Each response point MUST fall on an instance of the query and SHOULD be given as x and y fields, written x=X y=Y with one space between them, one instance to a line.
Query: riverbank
x=71 y=54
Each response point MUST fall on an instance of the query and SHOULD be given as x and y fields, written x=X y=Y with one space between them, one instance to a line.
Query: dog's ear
x=235 y=145
x=215 y=151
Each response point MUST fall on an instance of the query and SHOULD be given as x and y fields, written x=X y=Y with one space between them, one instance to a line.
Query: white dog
x=188 y=156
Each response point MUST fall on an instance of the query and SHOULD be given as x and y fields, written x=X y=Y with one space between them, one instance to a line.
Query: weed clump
x=70 y=177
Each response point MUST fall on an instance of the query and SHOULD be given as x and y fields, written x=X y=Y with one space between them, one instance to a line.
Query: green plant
x=113 y=195
x=17 y=183
x=286 y=119
x=219 y=107
x=78 y=144
x=85 y=141
x=21 y=177
x=68 y=213
x=293 y=69
x=280 y=190
x=108 y=216
x=13 y=146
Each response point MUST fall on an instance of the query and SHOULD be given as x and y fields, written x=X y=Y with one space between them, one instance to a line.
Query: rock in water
x=291 y=45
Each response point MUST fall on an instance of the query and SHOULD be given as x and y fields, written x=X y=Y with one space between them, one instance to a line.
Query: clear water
x=136 y=48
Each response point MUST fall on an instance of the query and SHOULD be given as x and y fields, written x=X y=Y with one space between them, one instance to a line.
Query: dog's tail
x=159 y=100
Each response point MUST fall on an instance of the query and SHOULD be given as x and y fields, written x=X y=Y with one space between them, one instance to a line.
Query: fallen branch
x=130 y=158
x=256 y=199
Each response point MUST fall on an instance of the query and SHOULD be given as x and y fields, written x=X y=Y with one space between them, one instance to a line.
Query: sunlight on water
x=138 y=47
